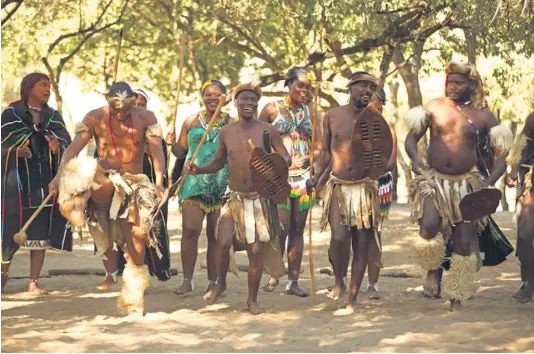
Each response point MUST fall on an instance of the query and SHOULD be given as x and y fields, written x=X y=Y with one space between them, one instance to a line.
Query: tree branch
x=12 y=12
x=79 y=32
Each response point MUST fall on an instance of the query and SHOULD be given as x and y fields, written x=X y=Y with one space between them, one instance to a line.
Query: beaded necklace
x=215 y=128
x=112 y=134
x=295 y=117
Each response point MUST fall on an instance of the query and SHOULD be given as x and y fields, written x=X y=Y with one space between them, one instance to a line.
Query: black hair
x=294 y=74
x=28 y=83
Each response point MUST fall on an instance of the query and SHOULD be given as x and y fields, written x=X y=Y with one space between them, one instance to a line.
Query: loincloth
x=357 y=200
x=134 y=201
x=251 y=214
x=446 y=192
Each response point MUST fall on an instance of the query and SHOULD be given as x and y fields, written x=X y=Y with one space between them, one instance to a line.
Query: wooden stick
x=179 y=84
x=21 y=237
x=310 y=245
x=117 y=57
x=177 y=101
x=222 y=101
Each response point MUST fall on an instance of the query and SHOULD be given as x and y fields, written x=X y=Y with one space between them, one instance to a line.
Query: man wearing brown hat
x=357 y=142
x=244 y=213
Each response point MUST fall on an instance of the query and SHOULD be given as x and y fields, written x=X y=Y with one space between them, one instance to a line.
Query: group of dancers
x=254 y=179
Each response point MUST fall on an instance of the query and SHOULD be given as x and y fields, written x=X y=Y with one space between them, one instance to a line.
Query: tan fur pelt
x=77 y=177
x=429 y=254
x=516 y=151
x=478 y=97
x=416 y=119
x=501 y=137
x=135 y=280
x=460 y=282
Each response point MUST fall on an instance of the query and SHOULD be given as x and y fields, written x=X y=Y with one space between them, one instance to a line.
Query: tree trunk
x=409 y=71
x=471 y=41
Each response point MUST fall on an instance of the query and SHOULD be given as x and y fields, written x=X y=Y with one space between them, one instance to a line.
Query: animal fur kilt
x=357 y=201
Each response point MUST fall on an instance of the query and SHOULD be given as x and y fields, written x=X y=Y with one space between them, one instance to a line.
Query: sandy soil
x=77 y=318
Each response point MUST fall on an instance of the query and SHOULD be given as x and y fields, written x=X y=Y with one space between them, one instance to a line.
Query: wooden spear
x=310 y=245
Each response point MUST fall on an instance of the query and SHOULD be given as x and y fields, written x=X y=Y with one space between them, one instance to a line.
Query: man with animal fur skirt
x=521 y=161
x=116 y=199
x=459 y=124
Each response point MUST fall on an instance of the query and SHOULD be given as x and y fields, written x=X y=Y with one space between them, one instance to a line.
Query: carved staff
x=314 y=127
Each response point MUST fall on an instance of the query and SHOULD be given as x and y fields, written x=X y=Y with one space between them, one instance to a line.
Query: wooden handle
x=310 y=245
x=222 y=101
x=41 y=207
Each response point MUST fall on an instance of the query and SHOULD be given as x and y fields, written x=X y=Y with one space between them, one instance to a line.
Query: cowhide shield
x=480 y=203
x=372 y=144
x=268 y=174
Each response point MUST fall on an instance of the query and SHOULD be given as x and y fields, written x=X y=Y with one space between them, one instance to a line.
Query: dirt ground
x=75 y=317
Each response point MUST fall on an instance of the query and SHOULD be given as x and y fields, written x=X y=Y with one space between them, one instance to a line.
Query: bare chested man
x=459 y=124
x=242 y=196
x=521 y=161
x=385 y=187
x=121 y=208
x=350 y=199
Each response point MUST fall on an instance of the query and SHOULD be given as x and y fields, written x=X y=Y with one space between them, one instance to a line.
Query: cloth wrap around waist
x=134 y=200
x=250 y=213
x=357 y=200
x=446 y=192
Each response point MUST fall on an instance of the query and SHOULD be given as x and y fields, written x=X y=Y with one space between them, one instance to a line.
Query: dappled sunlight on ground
x=75 y=317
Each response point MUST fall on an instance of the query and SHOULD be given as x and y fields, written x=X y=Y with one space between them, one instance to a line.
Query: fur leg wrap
x=135 y=280
x=429 y=254
x=460 y=282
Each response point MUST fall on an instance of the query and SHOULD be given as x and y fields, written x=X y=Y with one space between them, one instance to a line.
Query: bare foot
x=525 y=294
x=213 y=295
x=349 y=309
x=254 y=308
x=432 y=288
x=271 y=285
x=455 y=305
x=35 y=289
x=210 y=286
x=106 y=284
x=295 y=289
x=372 y=293
x=337 y=292
x=184 y=288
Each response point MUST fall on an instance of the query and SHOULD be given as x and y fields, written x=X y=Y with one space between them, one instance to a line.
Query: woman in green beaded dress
x=201 y=196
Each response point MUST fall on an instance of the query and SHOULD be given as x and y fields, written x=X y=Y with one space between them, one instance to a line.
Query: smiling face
x=361 y=93
x=300 y=90
x=40 y=92
x=246 y=103
x=458 y=88
x=210 y=97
